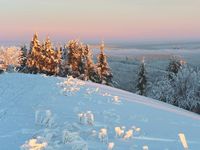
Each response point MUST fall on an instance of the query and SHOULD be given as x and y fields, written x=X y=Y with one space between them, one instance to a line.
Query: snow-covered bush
x=174 y=66
x=187 y=88
x=86 y=118
x=116 y=99
x=90 y=118
x=69 y=137
x=44 y=118
x=82 y=118
x=79 y=145
x=136 y=131
x=103 y=135
x=38 y=143
x=119 y=132
x=183 y=90
x=111 y=145
x=10 y=58
x=128 y=134
x=71 y=85
x=145 y=147
x=161 y=90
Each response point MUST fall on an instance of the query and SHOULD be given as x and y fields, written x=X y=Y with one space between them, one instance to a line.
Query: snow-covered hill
x=41 y=111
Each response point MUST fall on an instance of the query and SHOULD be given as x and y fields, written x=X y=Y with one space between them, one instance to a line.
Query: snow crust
x=44 y=112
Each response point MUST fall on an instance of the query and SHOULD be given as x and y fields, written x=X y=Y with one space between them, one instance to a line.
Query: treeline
x=74 y=59
x=179 y=85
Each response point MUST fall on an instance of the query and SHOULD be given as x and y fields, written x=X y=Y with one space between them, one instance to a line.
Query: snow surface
x=38 y=110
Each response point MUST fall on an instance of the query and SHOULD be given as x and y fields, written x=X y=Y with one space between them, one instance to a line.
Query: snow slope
x=46 y=108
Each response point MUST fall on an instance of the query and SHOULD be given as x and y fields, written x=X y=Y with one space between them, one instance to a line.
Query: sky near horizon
x=100 y=19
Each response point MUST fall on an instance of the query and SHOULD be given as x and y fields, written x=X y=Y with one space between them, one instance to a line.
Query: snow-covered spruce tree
x=65 y=68
x=65 y=52
x=173 y=67
x=142 y=79
x=34 y=55
x=10 y=58
x=74 y=56
x=80 y=61
x=51 y=58
x=83 y=68
x=103 y=67
x=92 y=71
x=23 y=67
x=43 y=58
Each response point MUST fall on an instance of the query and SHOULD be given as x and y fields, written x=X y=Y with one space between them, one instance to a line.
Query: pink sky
x=95 y=19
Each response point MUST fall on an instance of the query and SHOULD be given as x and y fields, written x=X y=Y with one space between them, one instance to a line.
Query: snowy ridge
x=146 y=101
x=52 y=113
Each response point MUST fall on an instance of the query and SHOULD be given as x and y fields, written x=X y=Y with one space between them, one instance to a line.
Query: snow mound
x=54 y=113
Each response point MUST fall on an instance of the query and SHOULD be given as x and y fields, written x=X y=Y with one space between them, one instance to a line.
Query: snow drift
x=53 y=113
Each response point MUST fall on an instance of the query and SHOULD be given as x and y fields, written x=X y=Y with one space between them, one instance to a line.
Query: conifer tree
x=51 y=58
x=103 y=67
x=80 y=62
x=34 y=55
x=43 y=58
x=23 y=67
x=173 y=67
x=65 y=69
x=90 y=68
x=74 y=56
x=83 y=69
x=142 y=79
x=58 y=60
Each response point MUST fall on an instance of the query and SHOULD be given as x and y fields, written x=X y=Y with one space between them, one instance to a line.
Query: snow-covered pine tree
x=65 y=51
x=23 y=67
x=91 y=69
x=50 y=58
x=65 y=69
x=34 y=55
x=34 y=43
x=74 y=56
x=103 y=67
x=80 y=61
x=49 y=55
x=83 y=68
x=58 y=59
x=173 y=67
x=43 y=58
x=142 y=79
x=10 y=58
